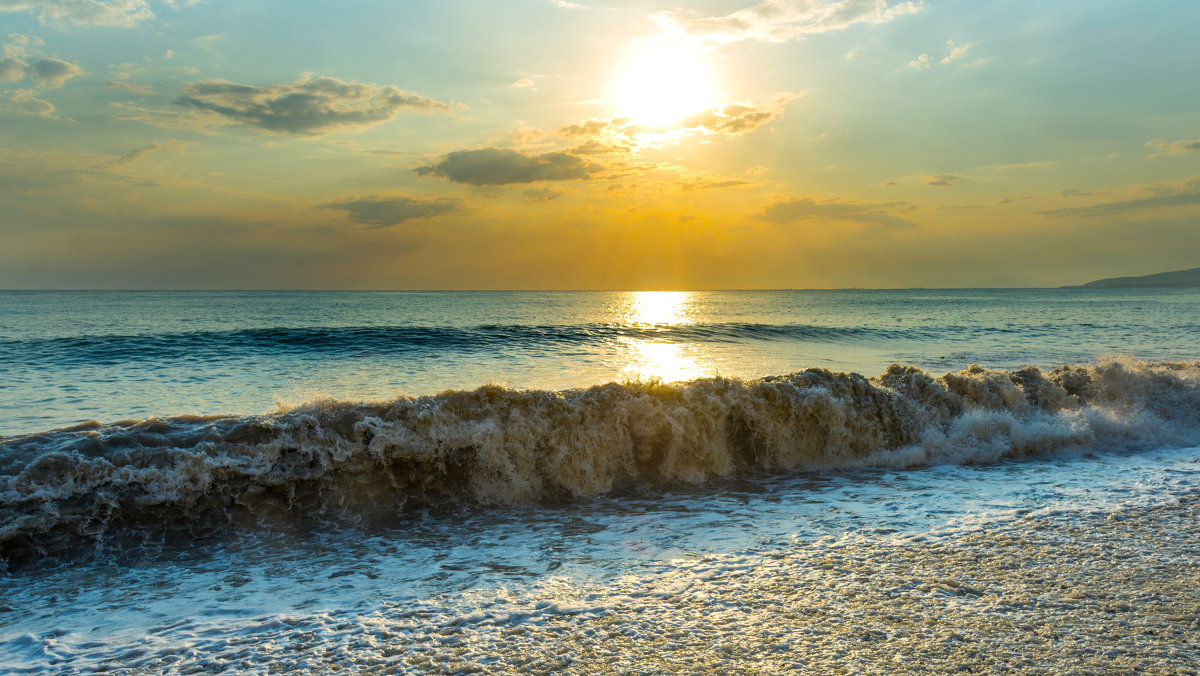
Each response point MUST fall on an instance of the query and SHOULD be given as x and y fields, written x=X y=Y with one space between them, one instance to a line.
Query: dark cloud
x=943 y=180
x=874 y=214
x=50 y=72
x=306 y=107
x=1179 y=199
x=543 y=194
x=500 y=166
x=385 y=211
x=120 y=13
x=139 y=153
x=1072 y=192
x=53 y=72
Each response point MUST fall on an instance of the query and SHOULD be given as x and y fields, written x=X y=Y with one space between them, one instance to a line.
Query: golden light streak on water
x=651 y=359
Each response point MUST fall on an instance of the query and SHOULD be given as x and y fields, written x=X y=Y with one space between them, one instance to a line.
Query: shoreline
x=1108 y=593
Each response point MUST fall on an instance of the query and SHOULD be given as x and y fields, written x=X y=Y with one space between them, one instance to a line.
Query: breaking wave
x=75 y=487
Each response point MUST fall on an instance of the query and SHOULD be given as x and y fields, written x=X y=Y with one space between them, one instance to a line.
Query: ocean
x=581 y=482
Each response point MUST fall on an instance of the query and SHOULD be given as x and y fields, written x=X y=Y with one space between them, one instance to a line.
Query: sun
x=662 y=84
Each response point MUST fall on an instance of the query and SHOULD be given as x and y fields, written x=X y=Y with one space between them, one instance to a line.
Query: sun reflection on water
x=659 y=308
x=664 y=359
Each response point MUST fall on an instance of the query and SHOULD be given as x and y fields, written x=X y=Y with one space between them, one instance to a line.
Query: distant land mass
x=1178 y=278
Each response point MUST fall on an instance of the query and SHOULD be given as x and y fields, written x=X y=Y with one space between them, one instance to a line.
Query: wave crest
x=497 y=446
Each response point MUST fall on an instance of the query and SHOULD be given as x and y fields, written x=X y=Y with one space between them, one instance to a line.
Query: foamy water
x=1017 y=514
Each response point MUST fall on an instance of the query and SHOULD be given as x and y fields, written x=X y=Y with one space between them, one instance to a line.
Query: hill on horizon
x=1176 y=278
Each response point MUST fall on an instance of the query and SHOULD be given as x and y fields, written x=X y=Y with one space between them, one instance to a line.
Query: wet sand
x=1102 y=593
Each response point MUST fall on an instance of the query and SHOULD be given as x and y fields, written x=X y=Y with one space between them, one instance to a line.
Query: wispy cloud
x=956 y=52
x=922 y=61
x=943 y=180
x=26 y=101
x=307 y=107
x=1023 y=165
x=131 y=87
x=733 y=119
x=1187 y=198
x=116 y=13
x=137 y=154
x=867 y=213
x=543 y=194
x=1174 y=147
x=783 y=20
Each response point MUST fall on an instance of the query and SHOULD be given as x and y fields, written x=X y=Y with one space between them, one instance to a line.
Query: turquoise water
x=66 y=357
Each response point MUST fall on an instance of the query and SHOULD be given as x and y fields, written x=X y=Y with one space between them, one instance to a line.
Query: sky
x=555 y=144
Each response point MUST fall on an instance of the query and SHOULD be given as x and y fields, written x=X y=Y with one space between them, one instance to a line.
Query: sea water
x=545 y=481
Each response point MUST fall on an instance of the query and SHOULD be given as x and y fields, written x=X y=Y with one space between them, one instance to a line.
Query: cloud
x=943 y=180
x=1174 y=147
x=307 y=107
x=956 y=53
x=53 y=72
x=19 y=44
x=12 y=69
x=713 y=184
x=385 y=211
x=500 y=166
x=47 y=72
x=139 y=153
x=523 y=83
x=925 y=61
x=736 y=118
x=783 y=20
x=26 y=101
x=116 y=13
x=874 y=214
x=1024 y=165
x=543 y=194
x=623 y=134
x=1188 y=198
x=130 y=87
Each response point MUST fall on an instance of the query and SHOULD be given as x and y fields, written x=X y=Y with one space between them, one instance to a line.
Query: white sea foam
x=498 y=446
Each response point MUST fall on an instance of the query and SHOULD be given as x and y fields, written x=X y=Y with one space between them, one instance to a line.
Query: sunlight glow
x=664 y=83
x=659 y=307
x=667 y=361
